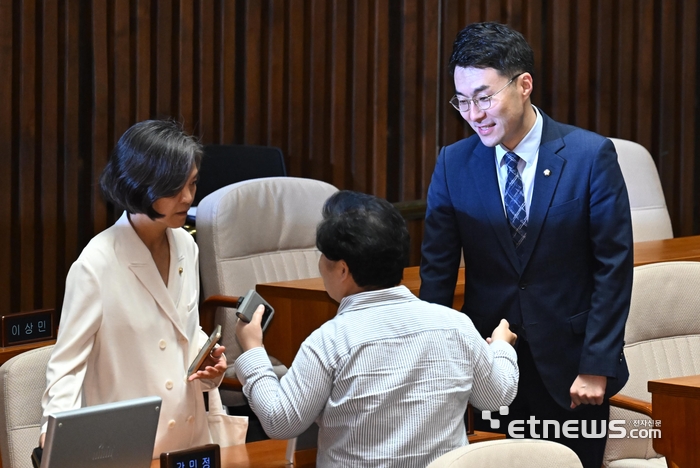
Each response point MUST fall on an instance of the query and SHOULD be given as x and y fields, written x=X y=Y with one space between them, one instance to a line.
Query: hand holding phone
x=248 y=304
x=204 y=352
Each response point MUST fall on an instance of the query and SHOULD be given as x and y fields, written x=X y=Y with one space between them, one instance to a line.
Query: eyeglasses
x=462 y=104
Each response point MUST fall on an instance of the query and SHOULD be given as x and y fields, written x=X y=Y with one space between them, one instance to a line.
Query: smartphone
x=36 y=457
x=204 y=352
x=248 y=304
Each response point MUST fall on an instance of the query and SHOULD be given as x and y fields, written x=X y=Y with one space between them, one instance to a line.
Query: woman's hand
x=214 y=366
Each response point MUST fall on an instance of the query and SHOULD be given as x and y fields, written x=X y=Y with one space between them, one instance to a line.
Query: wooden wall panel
x=355 y=92
x=70 y=237
x=29 y=204
x=47 y=140
x=643 y=75
x=379 y=78
x=226 y=60
x=141 y=49
x=8 y=210
x=319 y=108
x=338 y=95
x=253 y=71
x=624 y=67
x=184 y=108
x=102 y=83
x=687 y=209
x=293 y=105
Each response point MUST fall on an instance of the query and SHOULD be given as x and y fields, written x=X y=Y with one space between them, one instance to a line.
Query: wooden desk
x=9 y=352
x=271 y=453
x=301 y=306
x=676 y=403
x=668 y=250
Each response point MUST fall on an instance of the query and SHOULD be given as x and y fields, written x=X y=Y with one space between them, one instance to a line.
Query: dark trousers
x=533 y=400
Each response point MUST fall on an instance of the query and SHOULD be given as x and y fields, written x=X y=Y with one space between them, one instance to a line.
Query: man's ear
x=525 y=85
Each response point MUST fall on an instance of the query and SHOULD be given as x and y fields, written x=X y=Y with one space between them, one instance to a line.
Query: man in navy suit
x=540 y=212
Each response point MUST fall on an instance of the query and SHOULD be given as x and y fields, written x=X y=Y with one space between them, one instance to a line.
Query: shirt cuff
x=500 y=348
x=251 y=362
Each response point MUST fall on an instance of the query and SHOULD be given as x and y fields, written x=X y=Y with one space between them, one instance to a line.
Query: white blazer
x=123 y=334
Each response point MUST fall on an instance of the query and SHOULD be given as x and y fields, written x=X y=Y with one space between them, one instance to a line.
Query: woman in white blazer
x=130 y=323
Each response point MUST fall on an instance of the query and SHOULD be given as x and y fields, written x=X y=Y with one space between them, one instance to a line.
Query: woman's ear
x=343 y=270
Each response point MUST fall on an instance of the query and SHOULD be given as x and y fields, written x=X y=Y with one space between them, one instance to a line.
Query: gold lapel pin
x=179 y=270
x=547 y=172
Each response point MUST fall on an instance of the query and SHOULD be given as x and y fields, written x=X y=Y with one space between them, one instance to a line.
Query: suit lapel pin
x=547 y=172
x=179 y=270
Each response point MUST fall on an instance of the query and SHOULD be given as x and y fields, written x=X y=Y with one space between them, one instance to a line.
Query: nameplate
x=205 y=456
x=27 y=327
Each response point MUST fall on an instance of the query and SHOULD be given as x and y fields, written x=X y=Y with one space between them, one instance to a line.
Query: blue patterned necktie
x=515 y=200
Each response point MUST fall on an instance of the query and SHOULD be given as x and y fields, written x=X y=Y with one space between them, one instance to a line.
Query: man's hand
x=250 y=334
x=213 y=366
x=588 y=390
x=502 y=332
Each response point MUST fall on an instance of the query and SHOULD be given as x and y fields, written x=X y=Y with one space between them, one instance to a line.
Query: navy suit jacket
x=568 y=286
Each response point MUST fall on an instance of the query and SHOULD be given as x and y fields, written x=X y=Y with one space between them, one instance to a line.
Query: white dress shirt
x=528 y=150
x=387 y=380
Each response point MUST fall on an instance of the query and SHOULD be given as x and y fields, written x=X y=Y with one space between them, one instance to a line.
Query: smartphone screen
x=266 y=316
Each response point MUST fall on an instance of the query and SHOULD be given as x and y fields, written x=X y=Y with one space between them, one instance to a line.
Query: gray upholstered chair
x=257 y=231
x=511 y=453
x=22 y=382
x=224 y=165
x=662 y=339
x=650 y=219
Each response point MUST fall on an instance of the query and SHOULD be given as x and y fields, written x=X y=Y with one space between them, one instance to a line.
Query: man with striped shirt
x=388 y=379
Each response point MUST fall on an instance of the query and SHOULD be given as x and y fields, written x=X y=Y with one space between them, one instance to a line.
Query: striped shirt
x=387 y=380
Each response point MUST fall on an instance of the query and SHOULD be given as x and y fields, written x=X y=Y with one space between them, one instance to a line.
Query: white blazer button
x=171 y=423
x=161 y=343
x=169 y=384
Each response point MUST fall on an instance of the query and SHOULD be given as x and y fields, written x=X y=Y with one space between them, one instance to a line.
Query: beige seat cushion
x=511 y=453
x=22 y=382
x=662 y=339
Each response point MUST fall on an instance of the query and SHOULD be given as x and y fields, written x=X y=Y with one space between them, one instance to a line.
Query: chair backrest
x=513 y=453
x=22 y=382
x=258 y=231
x=650 y=219
x=662 y=339
x=223 y=165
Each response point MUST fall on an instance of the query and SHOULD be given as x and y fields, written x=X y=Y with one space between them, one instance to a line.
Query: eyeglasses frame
x=475 y=100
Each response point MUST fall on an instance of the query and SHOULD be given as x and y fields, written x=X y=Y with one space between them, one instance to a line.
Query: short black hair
x=151 y=160
x=492 y=45
x=369 y=234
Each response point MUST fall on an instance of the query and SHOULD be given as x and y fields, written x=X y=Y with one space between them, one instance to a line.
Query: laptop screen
x=113 y=435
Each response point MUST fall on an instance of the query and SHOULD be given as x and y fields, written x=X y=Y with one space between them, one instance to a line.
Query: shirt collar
x=529 y=146
x=366 y=299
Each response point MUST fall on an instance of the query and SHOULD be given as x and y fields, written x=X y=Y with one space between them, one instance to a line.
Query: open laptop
x=120 y=434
